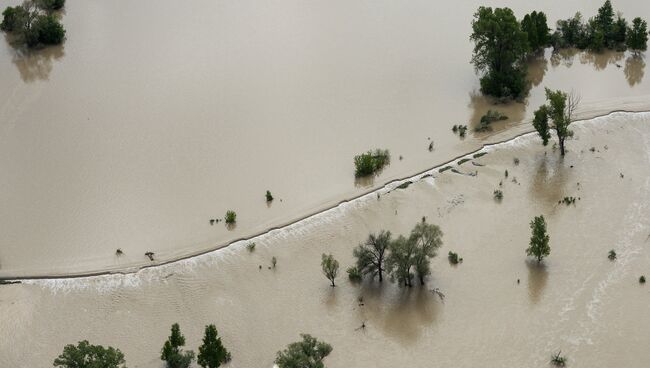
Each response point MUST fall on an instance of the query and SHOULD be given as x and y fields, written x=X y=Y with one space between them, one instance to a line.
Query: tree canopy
x=539 y=247
x=637 y=35
x=33 y=24
x=371 y=255
x=537 y=31
x=500 y=46
x=559 y=110
x=212 y=353
x=308 y=353
x=330 y=267
x=85 y=355
x=172 y=352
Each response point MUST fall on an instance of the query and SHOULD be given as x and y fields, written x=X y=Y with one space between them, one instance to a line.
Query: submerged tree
x=308 y=353
x=560 y=111
x=212 y=353
x=32 y=24
x=330 y=267
x=637 y=36
x=85 y=355
x=172 y=352
x=401 y=260
x=427 y=239
x=499 y=49
x=536 y=28
x=539 y=247
x=371 y=255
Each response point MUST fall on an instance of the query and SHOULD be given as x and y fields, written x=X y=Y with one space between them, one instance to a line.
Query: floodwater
x=576 y=300
x=156 y=116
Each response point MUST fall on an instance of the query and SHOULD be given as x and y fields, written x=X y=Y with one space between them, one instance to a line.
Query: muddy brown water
x=156 y=116
x=576 y=301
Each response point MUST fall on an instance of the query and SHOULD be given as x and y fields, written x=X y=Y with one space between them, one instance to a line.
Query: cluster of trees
x=502 y=43
x=402 y=258
x=34 y=23
x=606 y=30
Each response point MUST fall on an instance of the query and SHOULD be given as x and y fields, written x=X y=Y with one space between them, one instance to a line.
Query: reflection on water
x=549 y=179
x=537 y=67
x=563 y=57
x=634 y=66
x=600 y=60
x=36 y=65
x=537 y=279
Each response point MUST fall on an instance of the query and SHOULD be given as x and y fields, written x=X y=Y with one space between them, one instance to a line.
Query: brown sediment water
x=134 y=137
x=576 y=300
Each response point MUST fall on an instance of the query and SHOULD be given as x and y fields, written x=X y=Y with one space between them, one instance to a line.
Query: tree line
x=34 y=22
x=307 y=353
x=502 y=43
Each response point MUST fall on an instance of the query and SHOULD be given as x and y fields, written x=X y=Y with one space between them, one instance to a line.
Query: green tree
x=371 y=255
x=536 y=28
x=330 y=267
x=85 y=355
x=31 y=26
x=172 y=352
x=560 y=110
x=427 y=239
x=49 y=30
x=569 y=32
x=212 y=353
x=619 y=31
x=50 y=5
x=604 y=22
x=637 y=35
x=539 y=247
x=401 y=260
x=308 y=353
x=499 y=49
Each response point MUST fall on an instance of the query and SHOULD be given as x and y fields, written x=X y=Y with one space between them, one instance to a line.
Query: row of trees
x=403 y=259
x=606 y=30
x=307 y=353
x=34 y=22
x=502 y=43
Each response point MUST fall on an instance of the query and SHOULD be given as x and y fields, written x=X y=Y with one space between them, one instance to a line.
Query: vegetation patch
x=250 y=246
x=487 y=119
x=33 y=23
x=558 y=359
x=445 y=169
x=568 y=201
x=354 y=274
x=454 y=258
x=498 y=195
x=611 y=255
x=480 y=154
x=231 y=217
x=371 y=162
x=462 y=161
x=460 y=129
x=269 y=196
x=404 y=185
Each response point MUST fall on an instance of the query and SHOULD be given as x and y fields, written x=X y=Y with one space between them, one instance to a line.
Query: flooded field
x=577 y=300
x=156 y=116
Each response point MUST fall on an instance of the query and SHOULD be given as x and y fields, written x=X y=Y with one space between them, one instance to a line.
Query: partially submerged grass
x=404 y=185
x=462 y=161
x=558 y=359
x=477 y=155
x=445 y=169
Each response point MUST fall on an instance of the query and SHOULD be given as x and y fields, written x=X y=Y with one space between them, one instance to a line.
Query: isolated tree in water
x=499 y=50
x=212 y=354
x=559 y=110
x=637 y=36
x=308 y=353
x=172 y=352
x=427 y=238
x=330 y=267
x=539 y=247
x=371 y=255
x=85 y=355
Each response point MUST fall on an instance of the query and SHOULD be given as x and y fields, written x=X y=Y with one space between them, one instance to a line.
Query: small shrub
x=431 y=147
x=269 y=196
x=444 y=169
x=506 y=173
x=354 y=274
x=462 y=129
x=274 y=261
x=250 y=247
x=498 y=195
x=231 y=217
x=453 y=258
x=404 y=185
x=642 y=280
x=516 y=161
x=611 y=255
x=48 y=29
x=370 y=162
x=568 y=200
x=558 y=360
x=477 y=155
x=462 y=161
x=454 y=128
x=487 y=119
